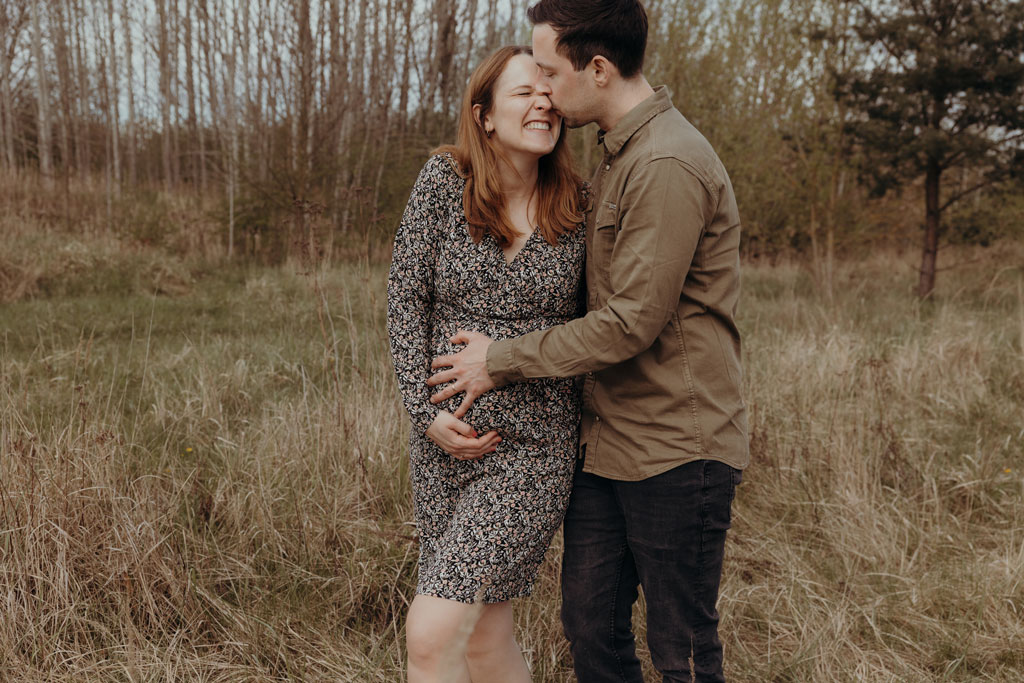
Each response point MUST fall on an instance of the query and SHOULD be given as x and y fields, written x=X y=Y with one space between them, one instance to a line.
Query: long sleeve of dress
x=411 y=290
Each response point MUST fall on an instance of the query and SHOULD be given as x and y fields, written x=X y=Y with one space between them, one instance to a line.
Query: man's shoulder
x=670 y=135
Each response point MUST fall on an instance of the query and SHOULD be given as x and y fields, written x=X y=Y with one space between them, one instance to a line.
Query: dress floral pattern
x=484 y=525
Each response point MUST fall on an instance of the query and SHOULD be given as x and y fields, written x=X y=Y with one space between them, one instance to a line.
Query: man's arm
x=664 y=211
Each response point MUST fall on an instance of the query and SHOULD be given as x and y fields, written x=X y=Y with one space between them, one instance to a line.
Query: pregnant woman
x=491 y=240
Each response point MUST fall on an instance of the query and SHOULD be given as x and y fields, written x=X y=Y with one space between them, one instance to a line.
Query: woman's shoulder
x=443 y=166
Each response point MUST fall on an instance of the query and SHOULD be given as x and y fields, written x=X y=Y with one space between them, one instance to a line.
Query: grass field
x=203 y=478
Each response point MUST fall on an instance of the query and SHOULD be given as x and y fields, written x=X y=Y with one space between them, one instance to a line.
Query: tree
x=946 y=90
x=12 y=19
x=43 y=99
x=164 y=55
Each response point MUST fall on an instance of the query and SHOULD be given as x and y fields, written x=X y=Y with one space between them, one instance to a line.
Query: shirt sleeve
x=411 y=292
x=663 y=213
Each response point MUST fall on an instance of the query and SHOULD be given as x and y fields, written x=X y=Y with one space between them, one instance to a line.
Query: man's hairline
x=558 y=42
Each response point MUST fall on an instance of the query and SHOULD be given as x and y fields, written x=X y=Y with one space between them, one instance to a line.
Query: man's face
x=566 y=87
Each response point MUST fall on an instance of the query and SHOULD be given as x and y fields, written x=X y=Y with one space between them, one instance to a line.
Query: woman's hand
x=458 y=439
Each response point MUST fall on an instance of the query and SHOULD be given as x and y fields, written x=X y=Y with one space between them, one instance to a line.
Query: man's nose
x=542 y=86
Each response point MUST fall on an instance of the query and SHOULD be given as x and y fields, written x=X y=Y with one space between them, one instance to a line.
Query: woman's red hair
x=558 y=185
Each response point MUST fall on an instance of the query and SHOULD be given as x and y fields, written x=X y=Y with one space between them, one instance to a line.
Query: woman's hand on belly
x=458 y=439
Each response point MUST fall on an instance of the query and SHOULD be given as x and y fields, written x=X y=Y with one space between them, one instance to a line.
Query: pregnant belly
x=533 y=412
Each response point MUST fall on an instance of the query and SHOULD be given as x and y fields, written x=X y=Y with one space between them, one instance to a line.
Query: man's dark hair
x=614 y=29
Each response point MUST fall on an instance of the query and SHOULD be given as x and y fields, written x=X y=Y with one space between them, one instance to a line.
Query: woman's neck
x=518 y=180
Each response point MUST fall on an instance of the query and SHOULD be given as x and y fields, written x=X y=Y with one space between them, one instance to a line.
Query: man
x=663 y=434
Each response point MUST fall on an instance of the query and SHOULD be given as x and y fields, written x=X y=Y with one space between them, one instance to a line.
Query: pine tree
x=945 y=91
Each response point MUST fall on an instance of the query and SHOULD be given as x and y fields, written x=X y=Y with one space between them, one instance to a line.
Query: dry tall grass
x=211 y=485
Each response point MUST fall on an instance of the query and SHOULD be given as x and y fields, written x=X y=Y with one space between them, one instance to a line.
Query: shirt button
x=607 y=167
x=597 y=418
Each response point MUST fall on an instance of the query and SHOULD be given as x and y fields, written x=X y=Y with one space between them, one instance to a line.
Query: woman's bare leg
x=493 y=653
x=436 y=632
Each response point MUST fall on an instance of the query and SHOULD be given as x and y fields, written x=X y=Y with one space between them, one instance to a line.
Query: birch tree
x=13 y=16
x=42 y=99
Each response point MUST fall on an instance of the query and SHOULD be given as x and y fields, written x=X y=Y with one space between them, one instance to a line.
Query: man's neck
x=622 y=98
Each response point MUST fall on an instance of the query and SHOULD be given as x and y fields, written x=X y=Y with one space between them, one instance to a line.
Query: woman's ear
x=483 y=122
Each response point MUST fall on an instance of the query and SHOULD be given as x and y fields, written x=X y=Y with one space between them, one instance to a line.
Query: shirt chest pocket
x=605 y=231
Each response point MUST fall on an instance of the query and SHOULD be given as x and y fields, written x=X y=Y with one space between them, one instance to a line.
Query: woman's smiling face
x=521 y=120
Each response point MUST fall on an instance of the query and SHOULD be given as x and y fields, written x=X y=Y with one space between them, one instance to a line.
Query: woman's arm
x=411 y=304
x=411 y=291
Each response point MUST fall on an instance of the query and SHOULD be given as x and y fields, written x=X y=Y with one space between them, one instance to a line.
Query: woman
x=490 y=241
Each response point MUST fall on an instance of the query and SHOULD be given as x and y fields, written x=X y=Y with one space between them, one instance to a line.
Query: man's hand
x=468 y=369
x=458 y=439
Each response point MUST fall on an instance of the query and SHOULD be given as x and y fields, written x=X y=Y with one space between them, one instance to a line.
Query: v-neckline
x=501 y=252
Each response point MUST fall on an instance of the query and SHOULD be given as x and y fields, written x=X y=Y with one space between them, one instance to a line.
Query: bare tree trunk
x=165 y=90
x=6 y=110
x=232 y=109
x=932 y=218
x=58 y=21
x=340 y=46
x=353 y=177
x=130 y=123
x=42 y=98
x=244 y=153
x=113 y=113
x=173 y=39
x=468 y=58
x=209 y=47
x=101 y=61
x=492 y=35
x=305 y=69
x=403 y=101
x=60 y=54
x=190 y=90
x=10 y=29
x=83 y=154
x=260 y=114
x=446 y=37
x=203 y=36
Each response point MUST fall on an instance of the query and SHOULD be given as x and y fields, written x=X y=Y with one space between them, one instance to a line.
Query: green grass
x=209 y=483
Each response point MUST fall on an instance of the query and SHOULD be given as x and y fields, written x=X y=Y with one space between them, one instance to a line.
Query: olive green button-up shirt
x=659 y=345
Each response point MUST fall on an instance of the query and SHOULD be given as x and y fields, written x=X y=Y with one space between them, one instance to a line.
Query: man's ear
x=603 y=70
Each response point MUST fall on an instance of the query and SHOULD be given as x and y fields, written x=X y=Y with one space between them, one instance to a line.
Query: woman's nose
x=542 y=102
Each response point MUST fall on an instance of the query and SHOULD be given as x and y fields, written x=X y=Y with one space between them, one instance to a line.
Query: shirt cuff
x=499 y=363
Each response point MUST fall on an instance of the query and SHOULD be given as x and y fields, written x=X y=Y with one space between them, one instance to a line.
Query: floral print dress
x=484 y=525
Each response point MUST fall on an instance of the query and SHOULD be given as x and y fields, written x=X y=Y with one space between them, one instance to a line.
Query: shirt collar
x=614 y=139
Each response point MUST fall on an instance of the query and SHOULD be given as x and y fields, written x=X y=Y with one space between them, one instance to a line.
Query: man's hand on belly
x=468 y=369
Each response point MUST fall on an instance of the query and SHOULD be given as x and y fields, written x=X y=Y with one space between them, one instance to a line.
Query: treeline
x=272 y=104
x=309 y=119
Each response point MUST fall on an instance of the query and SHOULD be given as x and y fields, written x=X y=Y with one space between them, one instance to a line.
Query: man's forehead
x=545 y=47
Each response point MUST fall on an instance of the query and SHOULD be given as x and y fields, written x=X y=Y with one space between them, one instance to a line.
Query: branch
x=888 y=47
x=963 y=193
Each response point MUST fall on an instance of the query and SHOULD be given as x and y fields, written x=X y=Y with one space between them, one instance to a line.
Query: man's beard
x=569 y=121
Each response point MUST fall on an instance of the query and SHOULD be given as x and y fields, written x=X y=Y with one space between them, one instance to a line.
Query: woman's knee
x=493 y=630
x=432 y=627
